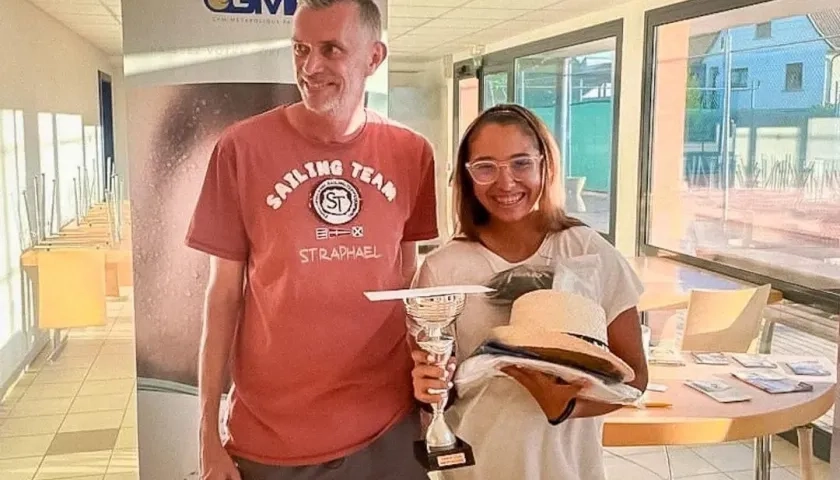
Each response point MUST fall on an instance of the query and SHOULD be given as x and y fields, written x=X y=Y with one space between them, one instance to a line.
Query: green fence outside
x=591 y=131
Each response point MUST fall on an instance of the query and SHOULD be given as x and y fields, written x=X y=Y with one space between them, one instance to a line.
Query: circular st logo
x=336 y=201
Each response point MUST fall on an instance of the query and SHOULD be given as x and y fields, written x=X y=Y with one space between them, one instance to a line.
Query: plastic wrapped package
x=574 y=274
x=517 y=281
x=478 y=369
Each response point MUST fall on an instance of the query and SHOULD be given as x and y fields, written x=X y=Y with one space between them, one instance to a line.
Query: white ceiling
x=432 y=28
x=99 y=21
x=417 y=28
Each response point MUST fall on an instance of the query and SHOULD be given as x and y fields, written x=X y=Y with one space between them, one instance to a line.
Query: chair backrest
x=725 y=320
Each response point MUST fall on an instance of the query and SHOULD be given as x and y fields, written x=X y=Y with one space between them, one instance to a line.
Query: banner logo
x=336 y=201
x=252 y=7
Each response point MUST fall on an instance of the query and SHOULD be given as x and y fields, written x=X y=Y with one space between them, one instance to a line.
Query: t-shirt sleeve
x=216 y=226
x=425 y=276
x=621 y=288
x=422 y=223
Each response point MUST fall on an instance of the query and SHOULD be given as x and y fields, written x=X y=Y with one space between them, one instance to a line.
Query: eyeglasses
x=485 y=172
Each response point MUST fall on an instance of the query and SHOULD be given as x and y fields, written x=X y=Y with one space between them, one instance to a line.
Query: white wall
x=418 y=98
x=45 y=67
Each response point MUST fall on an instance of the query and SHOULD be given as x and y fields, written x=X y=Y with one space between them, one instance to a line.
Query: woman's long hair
x=470 y=213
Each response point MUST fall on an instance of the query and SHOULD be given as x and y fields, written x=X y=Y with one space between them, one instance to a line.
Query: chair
x=725 y=320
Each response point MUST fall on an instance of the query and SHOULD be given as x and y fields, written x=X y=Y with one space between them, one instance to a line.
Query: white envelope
x=407 y=293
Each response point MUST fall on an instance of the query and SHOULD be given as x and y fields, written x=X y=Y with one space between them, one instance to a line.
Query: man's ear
x=380 y=53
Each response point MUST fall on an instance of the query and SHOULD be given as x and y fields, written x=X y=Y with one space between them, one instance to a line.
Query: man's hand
x=216 y=463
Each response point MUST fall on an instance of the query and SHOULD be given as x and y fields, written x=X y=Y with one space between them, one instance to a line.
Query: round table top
x=695 y=418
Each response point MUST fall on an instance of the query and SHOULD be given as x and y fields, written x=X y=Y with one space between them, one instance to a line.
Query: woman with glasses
x=509 y=193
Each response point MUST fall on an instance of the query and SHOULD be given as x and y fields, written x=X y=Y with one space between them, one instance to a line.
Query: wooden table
x=668 y=283
x=67 y=277
x=695 y=418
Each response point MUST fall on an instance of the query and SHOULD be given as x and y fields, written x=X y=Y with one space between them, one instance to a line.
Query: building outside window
x=741 y=155
x=751 y=177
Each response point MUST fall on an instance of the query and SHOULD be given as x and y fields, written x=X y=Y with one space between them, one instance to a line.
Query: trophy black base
x=460 y=455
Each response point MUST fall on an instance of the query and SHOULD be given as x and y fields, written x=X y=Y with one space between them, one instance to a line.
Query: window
x=793 y=76
x=71 y=156
x=570 y=82
x=749 y=183
x=13 y=221
x=740 y=77
x=47 y=194
x=495 y=89
x=571 y=89
x=763 y=30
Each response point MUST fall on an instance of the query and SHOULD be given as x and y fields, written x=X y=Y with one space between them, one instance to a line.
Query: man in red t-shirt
x=304 y=208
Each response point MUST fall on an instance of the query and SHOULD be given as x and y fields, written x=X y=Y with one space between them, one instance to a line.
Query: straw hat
x=564 y=328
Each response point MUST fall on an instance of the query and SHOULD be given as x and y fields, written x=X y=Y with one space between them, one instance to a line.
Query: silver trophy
x=430 y=312
x=428 y=319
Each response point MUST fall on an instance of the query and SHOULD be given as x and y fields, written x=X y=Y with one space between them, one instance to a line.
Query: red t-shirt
x=319 y=371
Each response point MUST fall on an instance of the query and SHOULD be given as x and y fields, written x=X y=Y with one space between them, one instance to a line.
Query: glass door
x=496 y=88
x=467 y=106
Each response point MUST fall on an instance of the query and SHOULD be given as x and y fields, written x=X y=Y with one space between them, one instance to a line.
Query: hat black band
x=593 y=341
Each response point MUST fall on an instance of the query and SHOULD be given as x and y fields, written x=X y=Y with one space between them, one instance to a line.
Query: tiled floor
x=75 y=419
x=730 y=461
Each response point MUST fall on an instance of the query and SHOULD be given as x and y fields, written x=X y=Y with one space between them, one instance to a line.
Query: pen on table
x=654 y=405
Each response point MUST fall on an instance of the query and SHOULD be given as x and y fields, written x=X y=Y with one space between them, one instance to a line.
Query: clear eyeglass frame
x=486 y=172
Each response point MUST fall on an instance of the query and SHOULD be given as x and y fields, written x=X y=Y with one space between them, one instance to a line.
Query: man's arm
x=222 y=305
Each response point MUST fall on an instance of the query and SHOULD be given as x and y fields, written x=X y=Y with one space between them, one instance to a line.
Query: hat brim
x=565 y=349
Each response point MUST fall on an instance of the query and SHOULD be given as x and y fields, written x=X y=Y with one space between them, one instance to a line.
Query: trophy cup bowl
x=428 y=318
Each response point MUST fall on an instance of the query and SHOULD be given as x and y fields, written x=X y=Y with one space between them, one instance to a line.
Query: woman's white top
x=509 y=433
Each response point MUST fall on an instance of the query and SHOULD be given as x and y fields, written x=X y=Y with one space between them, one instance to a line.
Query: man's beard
x=331 y=106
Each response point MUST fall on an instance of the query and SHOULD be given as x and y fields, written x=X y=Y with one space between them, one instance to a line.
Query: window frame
x=801 y=66
x=653 y=19
x=505 y=60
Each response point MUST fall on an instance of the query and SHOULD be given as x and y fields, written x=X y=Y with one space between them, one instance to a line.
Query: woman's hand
x=430 y=381
x=553 y=397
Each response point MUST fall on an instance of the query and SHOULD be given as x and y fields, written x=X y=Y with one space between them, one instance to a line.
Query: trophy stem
x=439 y=436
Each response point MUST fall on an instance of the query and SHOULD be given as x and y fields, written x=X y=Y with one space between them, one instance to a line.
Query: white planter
x=574 y=197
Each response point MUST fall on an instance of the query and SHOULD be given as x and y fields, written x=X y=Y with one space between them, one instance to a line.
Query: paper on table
x=406 y=293
x=720 y=391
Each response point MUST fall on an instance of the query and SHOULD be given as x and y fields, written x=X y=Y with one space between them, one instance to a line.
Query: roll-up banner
x=192 y=68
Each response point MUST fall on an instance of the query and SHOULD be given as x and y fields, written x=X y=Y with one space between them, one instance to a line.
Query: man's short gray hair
x=369 y=13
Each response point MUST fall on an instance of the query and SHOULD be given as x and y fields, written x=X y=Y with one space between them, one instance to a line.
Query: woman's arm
x=625 y=341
